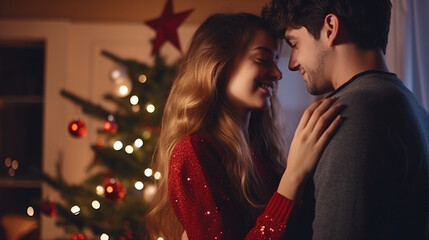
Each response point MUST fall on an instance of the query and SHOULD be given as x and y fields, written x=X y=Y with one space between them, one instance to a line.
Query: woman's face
x=255 y=76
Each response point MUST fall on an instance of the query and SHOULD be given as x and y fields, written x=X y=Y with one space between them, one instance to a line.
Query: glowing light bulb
x=157 y=175
x=150 y=108
x=134 y=100
x=139 y=185
x=121 y=80
x=75 y=210
x=96 y=204
x=8 y=162
x=148 y=172
x=129 y=149
x=104 y=237
x=99 y=190
x=123 y=90
x=142 y=78
x=109 y=189
x=11 y=172
x=138 y=143
x=30 y=211
x=117 y=145
x=15 y=164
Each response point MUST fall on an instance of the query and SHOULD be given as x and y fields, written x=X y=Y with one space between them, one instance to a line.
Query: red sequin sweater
x=203 y=201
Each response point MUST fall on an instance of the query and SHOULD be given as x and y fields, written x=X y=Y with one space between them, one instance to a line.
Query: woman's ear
x=330 y=30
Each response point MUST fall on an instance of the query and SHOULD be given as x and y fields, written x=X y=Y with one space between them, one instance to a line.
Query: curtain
x=408 y=48
x=417 y=45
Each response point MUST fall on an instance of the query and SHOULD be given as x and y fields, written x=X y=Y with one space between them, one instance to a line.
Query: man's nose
x=293 y=64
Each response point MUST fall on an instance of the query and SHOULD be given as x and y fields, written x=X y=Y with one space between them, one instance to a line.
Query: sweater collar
x=356 y=77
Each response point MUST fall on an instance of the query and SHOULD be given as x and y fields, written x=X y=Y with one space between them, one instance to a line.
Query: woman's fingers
x=329 y=132
x=314 y=111
x=307 y=114
x=319 y=122
x=325 y=120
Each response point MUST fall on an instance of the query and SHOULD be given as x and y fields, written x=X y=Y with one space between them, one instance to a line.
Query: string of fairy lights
x=122 y=81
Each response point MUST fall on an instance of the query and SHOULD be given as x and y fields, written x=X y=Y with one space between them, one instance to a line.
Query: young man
x=372 y=180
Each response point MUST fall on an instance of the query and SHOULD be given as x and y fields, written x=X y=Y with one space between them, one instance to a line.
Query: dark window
x=22 y=65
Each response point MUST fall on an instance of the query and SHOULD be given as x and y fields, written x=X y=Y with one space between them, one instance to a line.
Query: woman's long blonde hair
x=196 y=103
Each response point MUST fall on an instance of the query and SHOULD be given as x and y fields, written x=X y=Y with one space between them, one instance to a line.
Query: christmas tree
x=113 y=200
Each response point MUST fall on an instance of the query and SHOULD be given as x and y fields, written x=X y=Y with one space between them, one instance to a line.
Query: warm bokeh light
x=15 y=164
x=96 y=204
x=104 y=237
x=134 y=100
x=138 y=143
x=135 y=108
x=150 y=108
x=148 y=172
x=8 y=162
x=75 y=210
x=109 y=189
x=139 y=185
x=157 y=175
x=30 y=211
x=99 y=190
x=129 y=149
x=149 y=192
x=146 y=134
x=123 y=90
x=117 y=73
x=117 y=145
x=142 y=78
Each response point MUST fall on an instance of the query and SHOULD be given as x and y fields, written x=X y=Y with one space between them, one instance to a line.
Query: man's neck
x=351 y=61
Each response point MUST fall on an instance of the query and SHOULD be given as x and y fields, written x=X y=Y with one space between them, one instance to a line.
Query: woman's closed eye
x=262 y=60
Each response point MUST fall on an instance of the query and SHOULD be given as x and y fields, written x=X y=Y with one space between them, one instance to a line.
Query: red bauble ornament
x=110 y=125
x=49 y=208
x=79 y=236
x=77 y=128
x=166 y=26
x=113 y=190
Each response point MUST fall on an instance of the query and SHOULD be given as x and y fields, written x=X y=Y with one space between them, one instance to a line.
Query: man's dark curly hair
x=366 y=21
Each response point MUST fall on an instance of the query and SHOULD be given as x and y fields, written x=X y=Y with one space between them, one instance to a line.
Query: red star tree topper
x=166 y=26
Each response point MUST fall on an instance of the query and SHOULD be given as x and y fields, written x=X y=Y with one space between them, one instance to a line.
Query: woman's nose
x=276 y=73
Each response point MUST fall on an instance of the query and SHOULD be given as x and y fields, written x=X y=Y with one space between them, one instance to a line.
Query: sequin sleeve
x=271 y=224
x=202 y=200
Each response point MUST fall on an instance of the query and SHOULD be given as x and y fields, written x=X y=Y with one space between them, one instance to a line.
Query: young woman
x=222 y=153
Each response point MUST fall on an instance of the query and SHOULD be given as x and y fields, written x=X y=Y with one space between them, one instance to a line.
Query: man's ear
x=331 y=28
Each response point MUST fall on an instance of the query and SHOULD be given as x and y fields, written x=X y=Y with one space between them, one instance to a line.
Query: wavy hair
x=196 y=103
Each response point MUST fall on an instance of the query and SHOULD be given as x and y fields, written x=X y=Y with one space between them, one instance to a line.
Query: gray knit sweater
x=372 y=181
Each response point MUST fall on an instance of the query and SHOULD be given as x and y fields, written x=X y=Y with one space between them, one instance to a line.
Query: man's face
x=310 y=57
